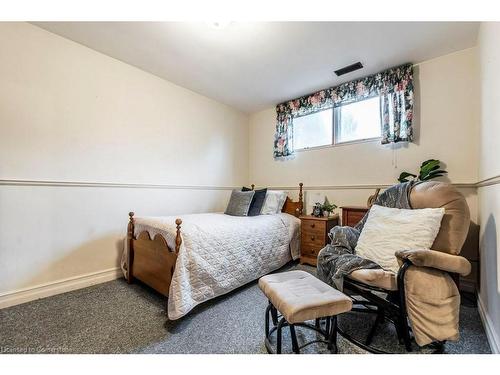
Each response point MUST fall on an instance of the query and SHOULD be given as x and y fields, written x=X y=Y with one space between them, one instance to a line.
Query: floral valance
x=394 y=86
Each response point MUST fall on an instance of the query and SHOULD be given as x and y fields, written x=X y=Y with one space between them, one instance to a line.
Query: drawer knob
x=312 y=238
x=313 y=225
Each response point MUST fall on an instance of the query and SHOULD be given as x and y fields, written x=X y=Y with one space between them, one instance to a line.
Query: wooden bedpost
x=301 y=200
x=253 y=186
x=178 y=239
x=130 y=238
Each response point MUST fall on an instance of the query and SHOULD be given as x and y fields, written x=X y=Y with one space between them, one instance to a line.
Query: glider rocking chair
x=422 y=300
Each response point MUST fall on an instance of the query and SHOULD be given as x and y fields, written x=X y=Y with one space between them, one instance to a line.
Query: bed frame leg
x=301 y=199
x=130 y=238
x=178 y=238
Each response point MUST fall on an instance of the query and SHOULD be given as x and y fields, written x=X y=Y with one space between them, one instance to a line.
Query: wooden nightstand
x=314 y=236
x=352 y=215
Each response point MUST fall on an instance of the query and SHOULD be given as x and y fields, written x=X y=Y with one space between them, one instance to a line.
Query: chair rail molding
x=98 y=184
x=464 y=185
x=62 y=183
x=489 y=181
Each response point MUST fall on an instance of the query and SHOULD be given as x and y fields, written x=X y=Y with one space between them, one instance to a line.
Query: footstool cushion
x=299 y=296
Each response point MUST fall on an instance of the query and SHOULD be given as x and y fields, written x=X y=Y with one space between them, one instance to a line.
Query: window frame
x=333 y=135
x=333 y=141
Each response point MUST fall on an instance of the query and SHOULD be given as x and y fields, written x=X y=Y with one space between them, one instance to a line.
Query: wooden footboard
x=151 y=261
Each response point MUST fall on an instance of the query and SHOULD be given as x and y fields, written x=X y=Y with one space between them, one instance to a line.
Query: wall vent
x=348 y=69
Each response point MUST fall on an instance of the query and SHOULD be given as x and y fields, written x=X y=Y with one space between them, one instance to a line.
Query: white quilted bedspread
x=220 y=253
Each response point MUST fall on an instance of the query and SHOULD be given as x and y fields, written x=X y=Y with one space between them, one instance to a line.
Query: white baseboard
x=17 y=297
x=493 y=338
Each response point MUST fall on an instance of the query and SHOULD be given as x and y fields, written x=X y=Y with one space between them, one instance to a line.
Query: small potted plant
x=328 y=207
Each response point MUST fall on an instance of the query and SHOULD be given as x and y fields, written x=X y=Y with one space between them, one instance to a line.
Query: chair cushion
x=456 y=219
x=375 y=277
x=299 y=296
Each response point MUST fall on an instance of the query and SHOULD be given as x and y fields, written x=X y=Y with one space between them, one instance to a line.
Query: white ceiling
x=252 y=66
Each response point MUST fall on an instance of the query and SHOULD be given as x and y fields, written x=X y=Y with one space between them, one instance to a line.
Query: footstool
x=296 y=297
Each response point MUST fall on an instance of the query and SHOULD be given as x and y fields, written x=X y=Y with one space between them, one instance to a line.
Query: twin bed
x=204 y=256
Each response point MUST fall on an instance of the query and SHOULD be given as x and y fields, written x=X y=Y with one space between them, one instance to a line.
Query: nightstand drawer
x=310 y=250
x=313 y=239
x=313 y=227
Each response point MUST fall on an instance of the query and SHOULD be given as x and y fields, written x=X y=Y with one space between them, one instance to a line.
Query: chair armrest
x=436 y=259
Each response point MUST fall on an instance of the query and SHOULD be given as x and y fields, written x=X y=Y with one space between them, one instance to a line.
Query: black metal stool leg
x=327 y=326
x=332 y=338
x=274 y=315
x=329 y=333
x=317 y=323
x=278 y=335
x=295 y=344
x=268 y=309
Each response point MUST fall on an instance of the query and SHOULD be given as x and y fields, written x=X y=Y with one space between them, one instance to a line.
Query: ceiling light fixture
x=219 y=25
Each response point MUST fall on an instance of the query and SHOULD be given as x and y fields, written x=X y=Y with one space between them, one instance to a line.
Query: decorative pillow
x=239 y=203
x=274 y=202
x=257 y=201
x=388 y=230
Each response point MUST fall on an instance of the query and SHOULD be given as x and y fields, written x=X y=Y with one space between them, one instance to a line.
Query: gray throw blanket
x=337 y=259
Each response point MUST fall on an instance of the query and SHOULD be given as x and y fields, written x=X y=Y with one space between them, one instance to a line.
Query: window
x=313 y=130
x=358 y=120
x=345 y=123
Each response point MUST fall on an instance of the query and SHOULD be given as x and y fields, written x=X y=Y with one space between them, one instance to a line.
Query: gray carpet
x=118 y=318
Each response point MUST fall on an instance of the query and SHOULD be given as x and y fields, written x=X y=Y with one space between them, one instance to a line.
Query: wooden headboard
x=291 y=207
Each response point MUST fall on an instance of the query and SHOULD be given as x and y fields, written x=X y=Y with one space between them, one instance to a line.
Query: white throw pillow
x=274 y=202
x=388 y=230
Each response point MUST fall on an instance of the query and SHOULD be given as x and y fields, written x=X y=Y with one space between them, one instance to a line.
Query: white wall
x=489 y=170
x=70 y=114
x=446 y=121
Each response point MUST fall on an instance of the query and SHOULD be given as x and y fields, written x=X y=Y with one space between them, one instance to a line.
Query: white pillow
x=274 y=202
x=388 y=230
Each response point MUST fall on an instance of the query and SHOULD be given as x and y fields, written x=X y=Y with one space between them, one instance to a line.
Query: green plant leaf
x=430 y=161
x=434 y=174
x=428 y=166
x=403 y=177
x=433 y=168
x=437 y=171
